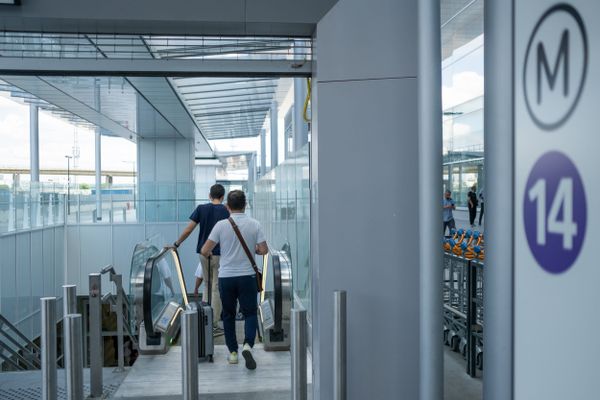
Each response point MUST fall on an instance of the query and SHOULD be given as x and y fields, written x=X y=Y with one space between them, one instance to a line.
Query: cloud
x=466 y=86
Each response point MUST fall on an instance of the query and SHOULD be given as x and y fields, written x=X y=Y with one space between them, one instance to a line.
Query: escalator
x=159 y=294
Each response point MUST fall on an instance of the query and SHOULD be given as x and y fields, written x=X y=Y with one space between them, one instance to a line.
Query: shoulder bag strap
x=244 y=245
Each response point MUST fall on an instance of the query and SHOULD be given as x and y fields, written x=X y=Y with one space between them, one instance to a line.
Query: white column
x=498 y=124
x=34 y=143
x=98 y=148
x=263 y=152
x=34 y=163
x=430 y=193
x=274 y=135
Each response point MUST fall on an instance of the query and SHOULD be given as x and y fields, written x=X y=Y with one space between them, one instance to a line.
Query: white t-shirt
x=234 y=261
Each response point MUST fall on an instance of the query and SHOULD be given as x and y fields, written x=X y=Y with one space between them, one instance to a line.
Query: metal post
x=189 y=354
x=263 y=152
x=118 y=280
x=69 y=299
x=339 y=345
x=96 y=359
x=299 y=379
x=73 y=356
x=471 y=319
x=49 y=388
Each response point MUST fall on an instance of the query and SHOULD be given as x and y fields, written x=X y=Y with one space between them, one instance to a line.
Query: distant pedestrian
x=448 y=206
x=481 y=206
x=472 y=205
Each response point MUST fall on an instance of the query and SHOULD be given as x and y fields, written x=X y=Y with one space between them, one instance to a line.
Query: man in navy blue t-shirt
x=207 y=215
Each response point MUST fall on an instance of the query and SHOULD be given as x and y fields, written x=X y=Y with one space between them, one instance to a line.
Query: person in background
x=448 y=206
x=472 y=205
x=481 y=206
x=207 y=215
x=238 y=272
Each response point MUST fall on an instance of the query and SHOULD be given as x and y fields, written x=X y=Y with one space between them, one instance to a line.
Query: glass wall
x=462 y=97
x=282 y=205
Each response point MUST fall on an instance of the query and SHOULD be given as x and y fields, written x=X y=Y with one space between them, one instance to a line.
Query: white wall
x=31 y=266
x=91 y=247
x=204 y=177
x=165 y=160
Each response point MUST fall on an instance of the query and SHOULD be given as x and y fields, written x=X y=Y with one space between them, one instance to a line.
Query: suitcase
x=206 y=345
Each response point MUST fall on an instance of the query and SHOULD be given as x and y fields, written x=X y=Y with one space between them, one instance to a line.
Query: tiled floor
x=159 y=377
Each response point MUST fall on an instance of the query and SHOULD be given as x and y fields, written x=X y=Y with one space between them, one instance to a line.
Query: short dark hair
x=236 y=200
x=217 y=191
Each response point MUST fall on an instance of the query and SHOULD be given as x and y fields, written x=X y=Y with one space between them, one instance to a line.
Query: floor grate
x=35 y=393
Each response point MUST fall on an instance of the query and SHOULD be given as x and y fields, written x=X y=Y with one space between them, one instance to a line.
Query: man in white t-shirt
x=237 y=279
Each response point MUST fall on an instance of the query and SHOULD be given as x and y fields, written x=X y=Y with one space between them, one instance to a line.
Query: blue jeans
x=244 y=290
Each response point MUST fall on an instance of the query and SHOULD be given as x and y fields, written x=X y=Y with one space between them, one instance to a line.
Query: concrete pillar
x=498 y=121
x=430 y=213
x=263 y=152
x=34 y=143
x=370 y=120
x=274 y=135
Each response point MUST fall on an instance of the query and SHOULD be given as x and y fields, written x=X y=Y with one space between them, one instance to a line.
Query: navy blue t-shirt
x=207 y=215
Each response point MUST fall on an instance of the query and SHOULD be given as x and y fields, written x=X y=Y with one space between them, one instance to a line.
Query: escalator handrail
x=147 y=293
x=278 y=292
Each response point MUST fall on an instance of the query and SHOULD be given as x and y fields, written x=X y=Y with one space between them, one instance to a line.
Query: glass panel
x=166 y=285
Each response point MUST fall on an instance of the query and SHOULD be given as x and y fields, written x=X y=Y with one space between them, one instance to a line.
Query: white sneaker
x=233 y=358
x=247 y=354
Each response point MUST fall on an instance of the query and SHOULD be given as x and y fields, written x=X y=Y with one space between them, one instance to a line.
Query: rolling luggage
x=206 y=345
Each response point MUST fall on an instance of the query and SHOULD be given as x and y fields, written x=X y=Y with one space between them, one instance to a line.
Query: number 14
x=563 y=198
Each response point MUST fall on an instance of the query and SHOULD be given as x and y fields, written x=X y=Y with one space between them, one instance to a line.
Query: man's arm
x=208 y=247
x=262 y=249
x=186 y=232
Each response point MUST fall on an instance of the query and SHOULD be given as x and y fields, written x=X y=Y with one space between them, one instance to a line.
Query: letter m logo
x=552 y=74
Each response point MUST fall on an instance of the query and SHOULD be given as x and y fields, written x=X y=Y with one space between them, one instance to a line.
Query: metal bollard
x=189 y=354
x=73 y=356
x=95 y=321
x=69 y=299
x=49 y=381
x=299 y=379
x=339 y=345
x=118 y=280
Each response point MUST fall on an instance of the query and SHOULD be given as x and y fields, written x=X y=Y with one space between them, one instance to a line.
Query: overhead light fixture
x=10 y=2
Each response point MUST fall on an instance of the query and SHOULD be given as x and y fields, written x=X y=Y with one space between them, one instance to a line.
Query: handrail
x=147 y=288
x=28 y=353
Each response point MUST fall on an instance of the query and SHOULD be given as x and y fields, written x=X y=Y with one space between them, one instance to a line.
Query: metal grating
x=35 y=393
x=98 y=46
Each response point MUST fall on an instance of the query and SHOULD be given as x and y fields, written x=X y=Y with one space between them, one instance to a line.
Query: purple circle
x=553 y=253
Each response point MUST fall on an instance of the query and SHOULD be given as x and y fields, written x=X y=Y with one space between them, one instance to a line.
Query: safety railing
x=16 y=350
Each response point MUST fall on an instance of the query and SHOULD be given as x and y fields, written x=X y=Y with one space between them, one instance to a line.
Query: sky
x=462 y=82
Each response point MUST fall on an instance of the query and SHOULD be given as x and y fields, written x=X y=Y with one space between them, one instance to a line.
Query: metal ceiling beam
x=233 y=112
x=234 y=81
x=241 y=106
x=240 y=124
x=226 y=89
x=153 y=67
x=231 y=103
x=253 y=120
x=248 y=95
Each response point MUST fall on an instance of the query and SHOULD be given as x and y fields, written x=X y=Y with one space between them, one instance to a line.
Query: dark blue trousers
x=244 y=290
